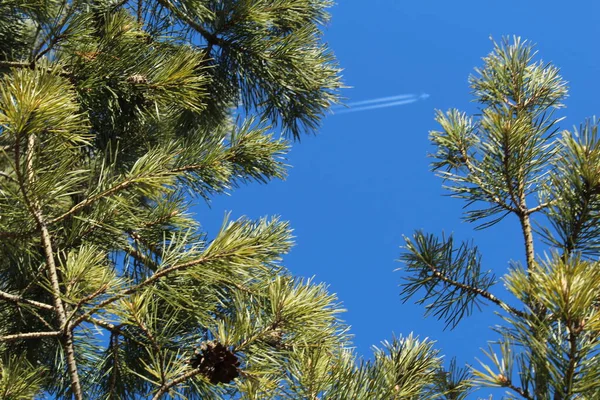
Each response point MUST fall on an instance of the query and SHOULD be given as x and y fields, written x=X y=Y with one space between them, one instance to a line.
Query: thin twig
x=20 y=300
x=209 y=37
x=158 y=275
x=539 y=207
x=114 y=344
x=155 y=346
x=114 y=329
x=118 y=5
x=7 y=176
x=140 y=18
x=477 y=291
x=166 y=387
x=474 y=173
x=573 y=357
x=90 y=200
x=87 y=299
x=29 y=335
x=16 y=64
x=55 y=34
x=41 y=319
x=144 y=259
x=519 y=390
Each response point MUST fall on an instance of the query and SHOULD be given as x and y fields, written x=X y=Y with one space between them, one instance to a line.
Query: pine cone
x=216 y=362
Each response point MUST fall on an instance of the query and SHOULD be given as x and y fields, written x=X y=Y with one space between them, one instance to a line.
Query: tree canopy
x=114 y=117
x=513 y=159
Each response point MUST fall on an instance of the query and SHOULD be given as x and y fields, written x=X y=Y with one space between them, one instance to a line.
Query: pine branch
x=34 y=207
x=41 y=319
x=451 y=277
x=117 y=330
x=90 y=200
x=106 y=325
x=506 y=172
x=87 y=299
x=539 y=207
x=8 y=177
x=114 y=345
x=164 y=389
x=155 y=345
x=473 y=173
x=528 y=240
x=119 y=4
x=572 y=354
x=30 y=335
x=33 y=65
x=258 y=335
x=209 y=37
x=474 y=290
x=77 y=207
x=20 y=300
x=16 y=64
x=142 y=258
x=155 y=277
x=138 y=239
x=518 y=390
x=55 y=33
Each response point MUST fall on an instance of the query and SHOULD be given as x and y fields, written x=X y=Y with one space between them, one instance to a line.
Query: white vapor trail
x=378 y=100
x=414 y=99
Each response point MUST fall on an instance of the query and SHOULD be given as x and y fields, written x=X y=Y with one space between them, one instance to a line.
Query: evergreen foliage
x=113 y=116
x=512 y=158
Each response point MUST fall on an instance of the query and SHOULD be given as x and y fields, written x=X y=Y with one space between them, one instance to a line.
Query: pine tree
x=513 y=159
x=114 y=117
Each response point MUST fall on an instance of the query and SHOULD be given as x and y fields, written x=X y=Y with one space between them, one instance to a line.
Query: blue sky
x=355 y=188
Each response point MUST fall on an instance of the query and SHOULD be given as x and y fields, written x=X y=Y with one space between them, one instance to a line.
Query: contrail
x=378 y=100
x=376 y=106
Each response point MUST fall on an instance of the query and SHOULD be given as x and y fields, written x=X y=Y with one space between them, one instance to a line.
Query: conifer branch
x=477 y=291
x=573 y=359
x=90 y=200
x=155 y=277
x=114 y=346
x=30 y=335
x=16 y=64
x=8 y=177
x=164 y=389
x=138 y=239
x=55 y=33
x=209 y=37
x=140 y=19
x=539 y=207
x=119 y=4
x=34 y=207
x=528 y=240
x=117 y=330
x=87 y=299
x=155 y=345
x=33 y=65
x=105 y=324
x=474 y=174
x=115 y=189
x=142 y=258
x=257 y=336
x=506 y=173
x=20 y=300
x=41 y=319
x=518 y=390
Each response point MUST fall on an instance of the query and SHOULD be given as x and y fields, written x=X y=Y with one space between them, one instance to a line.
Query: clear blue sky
x=364 y=180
